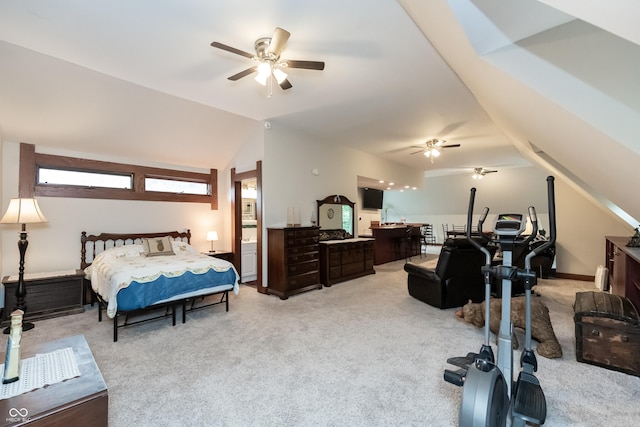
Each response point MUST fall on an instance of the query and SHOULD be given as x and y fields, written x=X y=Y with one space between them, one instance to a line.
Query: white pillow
x=183 y=248
x=124 y=251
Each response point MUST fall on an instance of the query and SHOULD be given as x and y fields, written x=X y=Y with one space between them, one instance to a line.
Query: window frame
x=30 y=162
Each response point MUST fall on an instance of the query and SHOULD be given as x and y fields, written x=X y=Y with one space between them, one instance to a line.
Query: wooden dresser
x=293 y=260
x=623 y=263
x=342 y=260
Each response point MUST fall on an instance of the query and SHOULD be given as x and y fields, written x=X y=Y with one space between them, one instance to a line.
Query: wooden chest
x=607 y=331
x=48 y=295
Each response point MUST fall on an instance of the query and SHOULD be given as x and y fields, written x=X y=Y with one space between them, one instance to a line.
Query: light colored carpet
x=360 y=353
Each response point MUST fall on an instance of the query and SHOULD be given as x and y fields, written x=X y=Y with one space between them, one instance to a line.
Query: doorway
x=246 y=208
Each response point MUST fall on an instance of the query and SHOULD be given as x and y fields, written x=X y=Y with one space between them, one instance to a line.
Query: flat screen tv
x=372 y=198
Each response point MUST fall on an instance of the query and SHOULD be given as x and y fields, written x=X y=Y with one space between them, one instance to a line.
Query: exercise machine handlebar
x=552 y=224
x=477 y=245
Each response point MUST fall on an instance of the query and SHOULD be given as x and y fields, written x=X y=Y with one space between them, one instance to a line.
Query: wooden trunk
x=607 y=331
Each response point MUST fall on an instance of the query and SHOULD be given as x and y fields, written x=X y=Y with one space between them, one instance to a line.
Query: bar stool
x=405 y=244
x=426 y=237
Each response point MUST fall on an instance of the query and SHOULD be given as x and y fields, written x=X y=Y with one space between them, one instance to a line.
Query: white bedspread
x=115 y=269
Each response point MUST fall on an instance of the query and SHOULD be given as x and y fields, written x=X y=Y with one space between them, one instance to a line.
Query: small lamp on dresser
x=212 y=236
x=22 y=211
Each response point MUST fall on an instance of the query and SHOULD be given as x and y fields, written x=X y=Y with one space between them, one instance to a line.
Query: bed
x=147 y=276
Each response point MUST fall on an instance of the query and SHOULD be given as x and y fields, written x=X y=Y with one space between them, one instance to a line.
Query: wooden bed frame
x=92 y=245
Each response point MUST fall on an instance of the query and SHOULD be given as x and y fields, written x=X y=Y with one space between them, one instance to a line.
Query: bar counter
x=386 y=241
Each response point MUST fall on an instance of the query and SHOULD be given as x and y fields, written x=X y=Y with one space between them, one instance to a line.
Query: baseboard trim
x=569 y=276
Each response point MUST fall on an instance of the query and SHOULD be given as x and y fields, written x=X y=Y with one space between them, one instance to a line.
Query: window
x=46 y=175
x=175 y=186
x=83 y=179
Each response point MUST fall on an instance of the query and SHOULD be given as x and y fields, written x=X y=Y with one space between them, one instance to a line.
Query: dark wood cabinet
x=227 y=256
x=623 y=263
x=293 y=260
x=342 y=260
x=48 y=295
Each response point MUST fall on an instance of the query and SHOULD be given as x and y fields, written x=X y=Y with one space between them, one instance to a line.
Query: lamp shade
x=212 y=236
x=23 y=211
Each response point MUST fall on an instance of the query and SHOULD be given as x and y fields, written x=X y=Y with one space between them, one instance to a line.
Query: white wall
x=581 y=224
x=290 y=158
x=445 y=199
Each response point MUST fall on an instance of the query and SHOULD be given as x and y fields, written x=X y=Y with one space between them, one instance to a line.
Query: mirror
x=248 y=209
x=335 y=213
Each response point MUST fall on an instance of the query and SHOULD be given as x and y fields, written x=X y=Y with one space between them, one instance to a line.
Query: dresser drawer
x=295 y=234
x=334 y=260
x=302 y=267
x=352 y=254
x=296 y=282
x=301 y=241
x=353 y=268
x=300 y=250
x=304 y=257
x=335 y=272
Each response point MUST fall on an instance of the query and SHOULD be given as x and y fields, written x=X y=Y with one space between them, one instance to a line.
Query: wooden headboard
x=92 y=245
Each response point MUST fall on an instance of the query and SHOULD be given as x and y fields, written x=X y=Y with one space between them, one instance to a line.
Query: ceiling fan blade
x=419 y=151
x=244 y=73
x=449 y=146
x=278 y=41
x=286 y=84
x=308 y=65
x=232 y=49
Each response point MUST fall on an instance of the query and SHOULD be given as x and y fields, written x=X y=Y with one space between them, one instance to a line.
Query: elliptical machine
x=490 y=396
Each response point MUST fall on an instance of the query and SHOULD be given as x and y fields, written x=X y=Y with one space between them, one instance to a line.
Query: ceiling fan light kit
x=432 y=147
x=268 y=51
x=479 y=173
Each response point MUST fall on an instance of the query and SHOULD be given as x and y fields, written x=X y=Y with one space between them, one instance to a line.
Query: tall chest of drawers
x=294 y=260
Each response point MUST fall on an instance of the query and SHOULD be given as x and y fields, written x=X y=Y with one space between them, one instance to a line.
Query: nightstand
x=48 y=294
x=227 y=256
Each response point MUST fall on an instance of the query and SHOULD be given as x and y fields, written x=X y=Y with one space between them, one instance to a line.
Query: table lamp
x=212 y=236
x=22 y=211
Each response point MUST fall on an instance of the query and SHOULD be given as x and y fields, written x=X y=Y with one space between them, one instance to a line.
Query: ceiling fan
x=478 y=173
x=432 y=148
x=269 y=64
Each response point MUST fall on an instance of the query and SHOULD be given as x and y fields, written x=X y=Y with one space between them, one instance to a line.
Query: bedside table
x=48 y=295
x=227 y=256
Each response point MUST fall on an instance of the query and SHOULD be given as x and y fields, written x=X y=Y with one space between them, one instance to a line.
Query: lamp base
x=25 y=327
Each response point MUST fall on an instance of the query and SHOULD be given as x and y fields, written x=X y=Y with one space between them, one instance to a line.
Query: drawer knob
x=595 y=332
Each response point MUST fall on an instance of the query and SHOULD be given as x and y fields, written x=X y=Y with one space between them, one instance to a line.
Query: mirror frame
x=339 y=200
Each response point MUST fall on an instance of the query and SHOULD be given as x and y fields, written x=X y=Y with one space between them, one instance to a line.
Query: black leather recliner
x=456 y=279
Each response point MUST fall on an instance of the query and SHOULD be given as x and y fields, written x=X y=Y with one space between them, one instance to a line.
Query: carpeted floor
x=360 y=353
